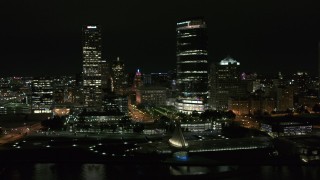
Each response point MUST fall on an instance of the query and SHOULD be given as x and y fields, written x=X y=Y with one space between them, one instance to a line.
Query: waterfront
x=51 y=171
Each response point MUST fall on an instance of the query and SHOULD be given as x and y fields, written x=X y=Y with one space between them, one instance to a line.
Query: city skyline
x=45 y=39
x=157 y=89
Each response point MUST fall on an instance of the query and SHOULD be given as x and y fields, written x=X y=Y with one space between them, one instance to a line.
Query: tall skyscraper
x=91 y=50
x=119 y=81
x=225 y=83
x=137 y=80
x=106 y=81
x=192 y=65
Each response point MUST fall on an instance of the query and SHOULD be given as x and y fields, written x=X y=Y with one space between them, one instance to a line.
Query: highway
x=17 y=133
x=247 y=122
x=138 y=115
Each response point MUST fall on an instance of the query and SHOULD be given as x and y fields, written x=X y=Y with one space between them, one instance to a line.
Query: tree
x=113 y=127
x=138 y=127
x=302 y=110
x=125 y=122
x=195 y=113
x=56 y=123
x=210 y=115
x=182 y=117
x=230 y=115
x=164 y=123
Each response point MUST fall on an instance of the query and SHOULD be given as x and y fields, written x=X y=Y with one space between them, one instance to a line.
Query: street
x=17 y=133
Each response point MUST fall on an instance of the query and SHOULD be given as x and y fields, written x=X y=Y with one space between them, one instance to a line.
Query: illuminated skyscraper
x=119 y=81
x=192 y=65
x=92 y=67
x=137 y=80
x=224 y=83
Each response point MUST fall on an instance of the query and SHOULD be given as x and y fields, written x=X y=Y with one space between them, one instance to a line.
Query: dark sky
x=44 y=36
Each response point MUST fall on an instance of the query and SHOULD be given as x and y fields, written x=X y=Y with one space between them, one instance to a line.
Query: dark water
x=47 y=171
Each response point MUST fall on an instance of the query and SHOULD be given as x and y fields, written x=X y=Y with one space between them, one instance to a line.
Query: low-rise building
x=152 y=95
x=285 y=127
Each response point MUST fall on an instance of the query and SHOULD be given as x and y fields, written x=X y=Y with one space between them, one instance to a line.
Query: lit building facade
x=105 y=77
x=225 y=83
x=119 y=81
x=302 y=82
x=151 y=95
x=254 y=104
x=122 y=102
x=137 y=82
x=192 y=65
x=42 y=95
x=15 y=108
x=160 y=79
x=308 y=101
x=286 y=128
x=92 y=82
x=284 y=98
x=240 y=106
x=118 y=103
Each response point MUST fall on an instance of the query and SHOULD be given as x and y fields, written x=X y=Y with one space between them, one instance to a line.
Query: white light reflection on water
x=93 y=171
x=49 y=171
x=188 y=170
x=70 y=171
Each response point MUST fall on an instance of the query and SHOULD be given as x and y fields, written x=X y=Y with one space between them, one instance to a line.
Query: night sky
x=44 y=37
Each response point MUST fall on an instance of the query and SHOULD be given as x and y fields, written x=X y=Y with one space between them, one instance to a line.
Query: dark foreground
x=132 y=157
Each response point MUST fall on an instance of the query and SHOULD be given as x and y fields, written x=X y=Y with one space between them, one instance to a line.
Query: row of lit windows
x=89 y=48
x=92 y=60
x=92 y=84
x=182 y=72
x=195 y=50
x=191 y=27
x=194 y=61
x=192 y=53
x=188 y=108
x=103 y=119
x=93 y=65
x=95 y=51
x=92 y=52
x=227 y=149
x=183 y=44
x=42 y=111
x=186 y=36
x=197 y=93
x=191 y=78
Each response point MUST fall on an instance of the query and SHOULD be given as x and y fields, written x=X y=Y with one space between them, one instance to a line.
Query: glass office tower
x=92 y=67
x=192 y=65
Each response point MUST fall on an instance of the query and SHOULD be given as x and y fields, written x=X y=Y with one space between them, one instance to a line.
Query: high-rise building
x=42 y=95
x=92 y=84
x=192 y=65
x=105 y=76
x=284 y=98
x=225 y=83
x=302 y=82
x=119 y=81
x=137 y=80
